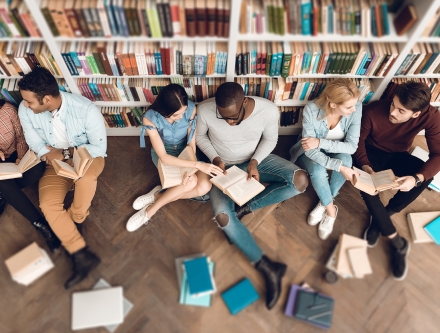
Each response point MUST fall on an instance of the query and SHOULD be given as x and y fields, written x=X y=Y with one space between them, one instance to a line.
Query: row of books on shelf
x=432 y=29
x=423 y=59
x=19 y=58
x=291 y=59
x=16 y=20
x=357 y=17
x=145 y=58
x=433 y=84
x=280 y=89
x=145 y=90
x=150 y=18
x=290 y=115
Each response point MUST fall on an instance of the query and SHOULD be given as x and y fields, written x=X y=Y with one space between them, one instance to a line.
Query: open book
x=375 y=183
x=81 y=162
x=236 y=186
x=173 y=175
x=12 y=170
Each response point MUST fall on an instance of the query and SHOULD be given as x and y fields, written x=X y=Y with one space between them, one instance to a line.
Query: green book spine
x=92 y=64
x=271 y=16
x=286 y=65
x=268 y=62
x=99 y=63
x=50 y=21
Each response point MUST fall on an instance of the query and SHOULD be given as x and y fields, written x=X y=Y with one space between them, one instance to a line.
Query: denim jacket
x=315 y=126
x=83 y=121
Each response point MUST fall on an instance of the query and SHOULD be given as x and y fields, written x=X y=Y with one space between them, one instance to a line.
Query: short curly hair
x=229 y=93
x=41 y=82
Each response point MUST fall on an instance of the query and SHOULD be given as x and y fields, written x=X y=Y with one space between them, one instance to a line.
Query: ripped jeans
x=274 y=170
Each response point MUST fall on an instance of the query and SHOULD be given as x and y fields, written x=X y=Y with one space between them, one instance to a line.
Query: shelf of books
x=119 y=53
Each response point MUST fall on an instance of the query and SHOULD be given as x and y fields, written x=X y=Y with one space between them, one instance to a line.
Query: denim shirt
x=83 y=121
x=171 y=133
x=315 y=126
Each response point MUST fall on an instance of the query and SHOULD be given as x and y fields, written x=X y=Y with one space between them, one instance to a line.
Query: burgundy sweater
x=379 y=132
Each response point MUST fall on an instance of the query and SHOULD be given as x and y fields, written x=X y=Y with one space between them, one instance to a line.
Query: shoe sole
x=406 y=265
x=365 y=236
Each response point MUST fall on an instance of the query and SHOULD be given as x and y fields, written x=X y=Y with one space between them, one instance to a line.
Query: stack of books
x=307 y=17
x=16 y=20
x=349 y=259
x=292 y=59
x=422 y=227
x=150 y=18
x=310 y=306
x=424 y=156
x=29 y=264
x=423 y=59
x=195 y=278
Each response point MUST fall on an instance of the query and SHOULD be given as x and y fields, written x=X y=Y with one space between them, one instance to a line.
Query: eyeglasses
x=237 y=116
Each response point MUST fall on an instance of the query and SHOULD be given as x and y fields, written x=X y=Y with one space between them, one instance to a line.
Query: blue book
x=111 y=18
x=200 y=282
x=304 y=91
x=330 y=19
x=273 y=63
x=373 y=22
x=384 y=15
x=240 y=296
x=185 y=296
x=158 y=61
x=306 y=12
x=433 y=230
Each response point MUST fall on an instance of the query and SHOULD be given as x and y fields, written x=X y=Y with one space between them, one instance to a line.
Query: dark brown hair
x=170 y=99
x=414 y=96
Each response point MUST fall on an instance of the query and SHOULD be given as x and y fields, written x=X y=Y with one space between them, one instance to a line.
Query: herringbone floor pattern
x=143 y=262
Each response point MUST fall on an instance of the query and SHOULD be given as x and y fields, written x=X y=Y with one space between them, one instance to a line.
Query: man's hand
x=2 y=156
x=54 y=154
x=407 y=183
x=309 y=143
x=368 y=169
x=252 y=170
x=218 y=162
x=17 y=161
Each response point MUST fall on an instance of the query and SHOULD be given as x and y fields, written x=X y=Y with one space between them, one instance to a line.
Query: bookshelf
x=426 y=9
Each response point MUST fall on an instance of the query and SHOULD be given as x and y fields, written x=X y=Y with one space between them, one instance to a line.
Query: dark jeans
x=402 y=164
x=10 y=189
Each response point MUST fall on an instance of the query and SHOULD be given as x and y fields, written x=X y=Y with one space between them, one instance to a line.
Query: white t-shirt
x=336 y=133
x=59 y=129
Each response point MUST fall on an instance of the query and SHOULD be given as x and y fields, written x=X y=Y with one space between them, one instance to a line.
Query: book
x=314 y=308
x=29 y=264
x=416 y=223
x=240 y=296
x=405 y=19
x=343 y=263
x=359 y=262
x=375 y=183
x=200 y=281
x=81 y=162
x=236 y=185
x=433 y=230
x=171 y=175
x=12 y=170
x=185 y=296
x=424 y=156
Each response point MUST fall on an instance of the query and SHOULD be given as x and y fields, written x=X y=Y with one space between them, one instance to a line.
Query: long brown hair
x=337 y=91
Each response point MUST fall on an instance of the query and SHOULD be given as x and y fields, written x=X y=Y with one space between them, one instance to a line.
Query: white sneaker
x=326 y=226
x=146 y=199
x=316 y=215
x=137 y=220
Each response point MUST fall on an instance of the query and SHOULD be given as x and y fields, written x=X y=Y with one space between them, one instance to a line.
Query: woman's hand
x=210 y=169
x=348 y=173
x=309 y=143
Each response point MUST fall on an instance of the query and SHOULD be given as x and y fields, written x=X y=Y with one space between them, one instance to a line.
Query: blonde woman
x=331 y=129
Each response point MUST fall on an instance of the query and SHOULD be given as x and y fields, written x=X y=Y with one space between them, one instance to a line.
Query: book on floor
x=29 y=264
x=314 y=308
x=416 y=223
x=185 y=296
x=173 y=175
x=240 y=296
x=424 y=156
x=433 y=230
x=236 y=185
x=12 y=170
x=81 y=162
x=359 y=262
x=95 y=308
x=200 y=281
x=375 y=183
x=127 y=305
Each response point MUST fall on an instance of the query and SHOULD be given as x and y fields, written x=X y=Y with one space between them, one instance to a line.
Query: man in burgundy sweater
x=387 y=132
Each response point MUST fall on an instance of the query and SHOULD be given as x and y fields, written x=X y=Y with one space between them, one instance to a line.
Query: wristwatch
x=66 y=153
x=418 y=181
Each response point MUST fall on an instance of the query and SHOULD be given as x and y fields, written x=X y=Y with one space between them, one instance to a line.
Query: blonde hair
x=337 y=91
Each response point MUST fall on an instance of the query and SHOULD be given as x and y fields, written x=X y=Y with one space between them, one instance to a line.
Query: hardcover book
x=417 y=222
x=433 y=230
x=173 y=175
x=12 y=170
x=81 y=162
x=200 y=281
x=375 y=183
x=240 y=296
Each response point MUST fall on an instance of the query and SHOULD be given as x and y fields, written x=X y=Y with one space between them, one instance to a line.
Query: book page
x=63 y=169
x=384 y=178
x=9 y=168
x=29 y=160
x=364 y=177
x=245 y=189
x=171 y=173
x=233 y=174
x=188 y=155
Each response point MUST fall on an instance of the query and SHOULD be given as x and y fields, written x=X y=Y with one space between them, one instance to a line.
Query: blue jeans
x=274 y=170
x=175 y=150
x=325 y=189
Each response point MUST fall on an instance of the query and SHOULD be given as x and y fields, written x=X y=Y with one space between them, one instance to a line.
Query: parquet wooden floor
x=143 y=262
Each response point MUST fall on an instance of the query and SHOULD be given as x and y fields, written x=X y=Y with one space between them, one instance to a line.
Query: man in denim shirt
x=54 y=123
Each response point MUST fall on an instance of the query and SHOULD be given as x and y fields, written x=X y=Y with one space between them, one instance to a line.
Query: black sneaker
x=371 y=234
x=399 y=266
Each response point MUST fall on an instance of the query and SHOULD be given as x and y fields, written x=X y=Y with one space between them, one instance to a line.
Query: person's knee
x=203 y=187
x=190 y=184
x=300 y=180
x=222 y=220
x=50 y=205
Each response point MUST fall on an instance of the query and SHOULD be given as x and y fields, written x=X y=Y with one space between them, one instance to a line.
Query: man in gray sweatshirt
x=243 y=131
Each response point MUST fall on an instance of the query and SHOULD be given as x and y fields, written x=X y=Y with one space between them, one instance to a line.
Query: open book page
x=81 y=160
x=384 y=179
x=9 y=171
x=233 y=174
x=29 y=160
x=65 y=170
x=188 y=155
x=244 y=190
x=172 y=173
x=364 y=177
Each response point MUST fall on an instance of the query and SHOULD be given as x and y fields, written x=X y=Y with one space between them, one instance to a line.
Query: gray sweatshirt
x=237 y=144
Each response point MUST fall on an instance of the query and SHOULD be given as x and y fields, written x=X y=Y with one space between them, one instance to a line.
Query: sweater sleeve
x=360 y=156
x=432 y=134
x=269 y=138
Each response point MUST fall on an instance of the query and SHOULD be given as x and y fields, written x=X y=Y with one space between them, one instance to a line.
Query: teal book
x=240 y=296
x=306 y=12
x=314 y=308
x=200 y=282
x=185 y=296
x=433 y=230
